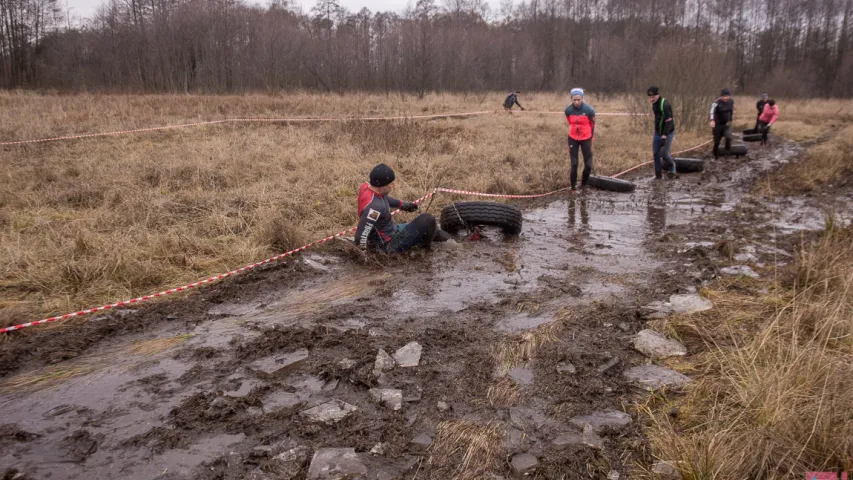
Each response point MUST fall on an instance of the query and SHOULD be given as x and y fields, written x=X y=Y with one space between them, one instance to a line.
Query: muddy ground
x=183 y=389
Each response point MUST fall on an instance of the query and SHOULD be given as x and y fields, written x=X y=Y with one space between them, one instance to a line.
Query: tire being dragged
x=688 y=165
x=494 y=214
x=611 y=184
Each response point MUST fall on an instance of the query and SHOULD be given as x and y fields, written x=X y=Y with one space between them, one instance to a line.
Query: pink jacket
x=769 y=114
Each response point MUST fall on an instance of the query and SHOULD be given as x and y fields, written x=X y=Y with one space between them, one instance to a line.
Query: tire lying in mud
x=689 y=165
x=750 y=131
x=461 y=214
x=611 y=184
x=753 y=137
x=737 y=151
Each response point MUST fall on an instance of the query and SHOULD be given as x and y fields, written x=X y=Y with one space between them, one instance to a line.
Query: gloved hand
x=522 y=109
x=409 y=207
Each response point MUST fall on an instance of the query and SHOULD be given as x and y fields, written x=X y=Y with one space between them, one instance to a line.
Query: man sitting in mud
x=376 y=228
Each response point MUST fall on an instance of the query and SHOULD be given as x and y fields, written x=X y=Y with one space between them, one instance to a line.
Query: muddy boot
x=441 y=236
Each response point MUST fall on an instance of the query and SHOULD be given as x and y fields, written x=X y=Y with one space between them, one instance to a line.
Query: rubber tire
x=750 y=131
x=611 y=184
x=753 y=137
x=737 y=151
x=689 y=165
x=493 y=214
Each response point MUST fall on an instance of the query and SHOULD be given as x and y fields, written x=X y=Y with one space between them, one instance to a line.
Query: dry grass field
x=103 y=219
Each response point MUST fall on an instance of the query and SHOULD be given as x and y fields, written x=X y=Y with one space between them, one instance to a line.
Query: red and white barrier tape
x=652 y=161
x=208 y=280
x=603 y=114
x=269 y=120
x=497 y=195
x=215 y=278
x=247 y=120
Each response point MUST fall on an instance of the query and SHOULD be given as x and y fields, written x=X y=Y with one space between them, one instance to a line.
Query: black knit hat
x=725 y=93
x=381 y=175
x=652 y=91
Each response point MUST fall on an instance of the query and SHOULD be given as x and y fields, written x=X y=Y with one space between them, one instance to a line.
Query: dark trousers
x=764 y=128
x=419 y=232
x=660 y=149
x=586 y=147
x=721 y=131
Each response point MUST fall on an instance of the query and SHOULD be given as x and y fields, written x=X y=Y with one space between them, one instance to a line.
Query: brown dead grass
x=773 y=396
x=467 y=450
x=828 y=162
x=157 y=345
x=92 y=221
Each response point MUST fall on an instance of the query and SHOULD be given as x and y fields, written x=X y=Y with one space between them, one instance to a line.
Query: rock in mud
x=608 y=365
x=652 y=344
x=606 y=418
x=665 y=471
x=389 y=397
x=421 y=443
x=336 y=464
x=379 y=449
x=613 y=475
x=383 y=362
x=280 y=400
x=566 y=368
x=653 y=377
x=739 y=270
x=278 y=364
x=329 y=412
x=588 y=438
x=348 y=363
x=524 y=463
x=746 y=258
x=443 y=406
x=521 y=376
x=677 y=304
x=287 y=465
x=409 y=355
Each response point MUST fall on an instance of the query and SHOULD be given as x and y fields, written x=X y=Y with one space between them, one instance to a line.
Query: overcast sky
x=86 y=8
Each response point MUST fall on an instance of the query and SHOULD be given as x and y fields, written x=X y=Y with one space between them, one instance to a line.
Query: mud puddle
x=412 y=362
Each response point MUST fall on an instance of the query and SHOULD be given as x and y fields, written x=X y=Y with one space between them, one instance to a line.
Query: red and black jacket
x=375 y=225
x=581 y=122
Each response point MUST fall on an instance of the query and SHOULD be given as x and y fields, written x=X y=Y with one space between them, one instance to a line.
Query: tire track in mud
x=519 y=337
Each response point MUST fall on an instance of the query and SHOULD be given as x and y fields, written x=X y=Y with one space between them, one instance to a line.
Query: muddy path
x=480 y=360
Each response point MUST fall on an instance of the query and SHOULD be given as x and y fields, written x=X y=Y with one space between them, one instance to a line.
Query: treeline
x=788 y=47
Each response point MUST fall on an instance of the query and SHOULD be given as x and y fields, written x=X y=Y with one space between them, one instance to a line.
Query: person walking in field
x=767 y=118
x=722 y=114
x=664 y=133
x=759 y=105
x=376 y=229
x=581 y=118
x=512 y=100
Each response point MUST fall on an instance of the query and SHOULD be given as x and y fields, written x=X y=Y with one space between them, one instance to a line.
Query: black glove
x=522 y=109
x=409 y=207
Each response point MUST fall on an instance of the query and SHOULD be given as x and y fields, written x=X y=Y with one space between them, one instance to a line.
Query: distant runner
x=512 y=100
x=722 y=114
x=759 y=105
x=767 y=119
x=664 y=133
